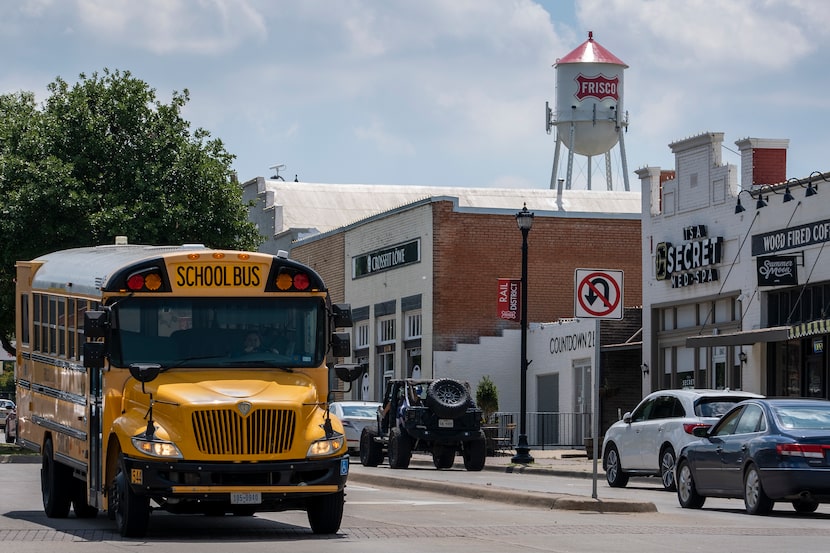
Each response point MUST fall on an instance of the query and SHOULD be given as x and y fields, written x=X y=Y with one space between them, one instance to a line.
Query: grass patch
x=14 y=449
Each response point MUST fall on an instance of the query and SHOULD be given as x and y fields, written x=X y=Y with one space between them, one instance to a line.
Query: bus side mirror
x=349 y=372
x=341 y=344
x=342 y=314
x=94 y=354
x=96 y=324
x=145 y=372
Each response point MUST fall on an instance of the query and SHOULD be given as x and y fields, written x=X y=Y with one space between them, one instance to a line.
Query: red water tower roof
x=590 y=52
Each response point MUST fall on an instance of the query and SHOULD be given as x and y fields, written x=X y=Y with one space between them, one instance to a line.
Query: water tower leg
x=590 y=173
x=555 y=162
x=609 y=179
x=624 y=161
x=570 y=159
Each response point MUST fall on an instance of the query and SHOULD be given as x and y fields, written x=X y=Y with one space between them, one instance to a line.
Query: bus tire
x=325 y=512
x=80 y=504
x=132 y=512
x=55 y=482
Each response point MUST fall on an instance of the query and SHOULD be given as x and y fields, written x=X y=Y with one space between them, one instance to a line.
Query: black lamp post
x=524 y=219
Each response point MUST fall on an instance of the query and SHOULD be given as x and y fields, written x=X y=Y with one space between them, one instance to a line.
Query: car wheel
x=371 y=451
x=443 y=456
x=132 y=511
x=400 y=449
x=325 y=513
x=755 y=499
x=613 y=469
x=474 y=454
x=55 y=484
x=667 y=462
x=805 y=506
x=447 y=398
x=686 y=490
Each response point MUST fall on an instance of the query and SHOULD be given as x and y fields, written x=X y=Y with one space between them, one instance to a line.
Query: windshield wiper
x=182 y=362
x=257 y=363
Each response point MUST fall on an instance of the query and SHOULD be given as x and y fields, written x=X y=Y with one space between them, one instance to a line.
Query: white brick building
x=711 y=316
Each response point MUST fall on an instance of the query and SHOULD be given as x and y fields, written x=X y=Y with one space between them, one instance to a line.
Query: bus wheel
x=132 y=512
x=55 y=482
x=79 y=502
x=325 y=513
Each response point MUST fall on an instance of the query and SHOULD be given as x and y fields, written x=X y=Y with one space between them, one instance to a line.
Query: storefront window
x=786 y=358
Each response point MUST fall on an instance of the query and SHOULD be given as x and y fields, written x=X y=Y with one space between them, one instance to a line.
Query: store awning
x=810 y=329
x=742 y=338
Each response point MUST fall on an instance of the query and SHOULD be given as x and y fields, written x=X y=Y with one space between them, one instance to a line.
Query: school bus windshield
x=219 y=332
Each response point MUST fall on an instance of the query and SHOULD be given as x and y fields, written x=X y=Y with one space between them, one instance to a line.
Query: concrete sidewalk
x=560 y=462
x=568 y=463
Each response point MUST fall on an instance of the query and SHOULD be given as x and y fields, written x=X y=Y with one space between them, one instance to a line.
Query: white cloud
x=169 y=26
x=385 y=142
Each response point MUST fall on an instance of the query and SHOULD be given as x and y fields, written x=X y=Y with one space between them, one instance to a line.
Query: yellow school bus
x=180 y=378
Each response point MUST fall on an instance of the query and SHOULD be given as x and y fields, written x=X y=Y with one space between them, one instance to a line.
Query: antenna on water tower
x=589 y=116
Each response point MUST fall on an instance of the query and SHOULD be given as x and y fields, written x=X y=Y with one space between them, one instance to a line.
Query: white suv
x=646 y=441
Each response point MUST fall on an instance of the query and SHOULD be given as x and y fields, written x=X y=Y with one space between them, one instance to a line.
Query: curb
x=506 y=495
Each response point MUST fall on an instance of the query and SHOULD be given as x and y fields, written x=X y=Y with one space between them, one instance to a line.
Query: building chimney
x=763 y=161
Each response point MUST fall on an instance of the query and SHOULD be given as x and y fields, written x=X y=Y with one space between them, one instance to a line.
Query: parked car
x=763 y=450
x=6 y=407
x=431 y=416
x=646 y=441
x=11 y=426
x=355 y=415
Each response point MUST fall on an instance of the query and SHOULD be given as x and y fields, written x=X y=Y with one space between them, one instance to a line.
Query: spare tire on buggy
x=448 y=398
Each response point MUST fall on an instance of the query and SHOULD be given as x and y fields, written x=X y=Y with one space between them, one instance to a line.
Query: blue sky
x=439 y=92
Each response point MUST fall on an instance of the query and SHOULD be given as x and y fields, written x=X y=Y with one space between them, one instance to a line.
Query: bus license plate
x=246 y=498
x=445 y=423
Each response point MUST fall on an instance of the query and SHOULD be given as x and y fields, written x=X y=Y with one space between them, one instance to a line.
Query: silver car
x=355 y=415
x=6 y=407
x=647 y=440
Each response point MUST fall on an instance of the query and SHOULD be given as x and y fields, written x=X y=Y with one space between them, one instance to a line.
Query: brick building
x=422 y=274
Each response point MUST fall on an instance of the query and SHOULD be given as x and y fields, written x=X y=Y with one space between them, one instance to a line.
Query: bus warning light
x=301 y=281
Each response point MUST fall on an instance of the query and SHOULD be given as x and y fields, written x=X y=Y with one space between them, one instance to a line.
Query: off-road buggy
x=430 y=416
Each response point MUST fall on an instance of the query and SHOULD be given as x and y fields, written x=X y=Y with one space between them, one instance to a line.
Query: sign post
x=598 y=295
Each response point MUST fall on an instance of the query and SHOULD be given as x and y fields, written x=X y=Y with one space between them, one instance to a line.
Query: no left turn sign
x=599 y=294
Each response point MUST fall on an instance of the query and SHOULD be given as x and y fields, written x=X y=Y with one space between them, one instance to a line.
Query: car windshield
x=803 y=417
x=715 y=406
x=219 y=332
x=360 y=411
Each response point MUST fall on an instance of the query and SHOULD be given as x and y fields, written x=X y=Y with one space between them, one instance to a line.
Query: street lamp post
x=524 y=219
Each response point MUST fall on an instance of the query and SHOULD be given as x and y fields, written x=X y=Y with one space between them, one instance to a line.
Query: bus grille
x=226 y=432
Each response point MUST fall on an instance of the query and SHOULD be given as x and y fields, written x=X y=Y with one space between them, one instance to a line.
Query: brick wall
x=471 y=251
x=328 y=259
x=769 y=165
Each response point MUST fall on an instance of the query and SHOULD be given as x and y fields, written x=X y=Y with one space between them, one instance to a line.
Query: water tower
x=589 y=117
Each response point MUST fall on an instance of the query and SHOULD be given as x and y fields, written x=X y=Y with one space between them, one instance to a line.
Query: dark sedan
x=763 y=451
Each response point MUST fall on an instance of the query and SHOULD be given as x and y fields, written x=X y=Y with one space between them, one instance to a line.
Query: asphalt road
x=397 y=516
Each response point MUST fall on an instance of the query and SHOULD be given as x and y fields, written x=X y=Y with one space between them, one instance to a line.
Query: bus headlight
x=156 y=448
x=327 y=446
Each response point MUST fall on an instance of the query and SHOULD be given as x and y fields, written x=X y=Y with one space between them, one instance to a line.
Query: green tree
x=487 y=397
x=104 y=157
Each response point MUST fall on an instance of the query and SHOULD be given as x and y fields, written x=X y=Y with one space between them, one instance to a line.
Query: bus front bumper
x=267 y=485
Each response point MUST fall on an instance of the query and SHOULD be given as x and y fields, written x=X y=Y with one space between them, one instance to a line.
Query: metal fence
x=546 y=430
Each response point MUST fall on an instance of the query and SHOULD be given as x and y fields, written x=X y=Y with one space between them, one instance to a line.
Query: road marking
x=404 y=502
